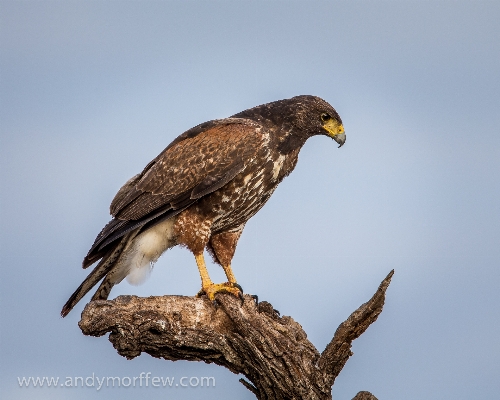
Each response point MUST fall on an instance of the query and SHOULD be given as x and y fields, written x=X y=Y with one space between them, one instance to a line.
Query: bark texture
x=364 y=396
x=248 y=338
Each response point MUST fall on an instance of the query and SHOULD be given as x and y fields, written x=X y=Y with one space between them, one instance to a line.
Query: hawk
x=201 y=191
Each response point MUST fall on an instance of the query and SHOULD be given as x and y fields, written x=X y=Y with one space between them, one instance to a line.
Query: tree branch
x=338 y=350
x=272 y=352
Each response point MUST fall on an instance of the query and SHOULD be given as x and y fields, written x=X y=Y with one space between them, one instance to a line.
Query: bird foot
x=211 y=290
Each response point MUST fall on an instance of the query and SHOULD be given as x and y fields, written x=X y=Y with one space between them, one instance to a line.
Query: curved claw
x=236 y=285
x=212 y=289
x=256 y=298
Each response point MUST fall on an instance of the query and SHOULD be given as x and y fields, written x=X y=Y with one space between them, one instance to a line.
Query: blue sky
x=92 y=91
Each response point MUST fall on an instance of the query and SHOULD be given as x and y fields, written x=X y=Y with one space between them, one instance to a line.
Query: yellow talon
x=215 y=288
x=211 y=289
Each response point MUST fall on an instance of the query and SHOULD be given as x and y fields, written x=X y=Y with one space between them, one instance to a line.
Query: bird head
x=315 y=116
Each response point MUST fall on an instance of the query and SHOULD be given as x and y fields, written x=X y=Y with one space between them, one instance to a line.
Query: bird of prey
x=201 y=191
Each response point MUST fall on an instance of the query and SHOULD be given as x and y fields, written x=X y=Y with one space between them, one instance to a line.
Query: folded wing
x=197 y=163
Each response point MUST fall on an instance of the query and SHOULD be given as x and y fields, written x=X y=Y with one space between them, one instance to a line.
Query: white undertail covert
x=145 y=250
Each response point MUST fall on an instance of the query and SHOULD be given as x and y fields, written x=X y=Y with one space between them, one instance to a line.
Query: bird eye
x=325 y=117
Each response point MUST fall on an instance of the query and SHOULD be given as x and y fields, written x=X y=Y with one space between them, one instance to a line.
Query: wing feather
x=202 y=164
x=197 y=163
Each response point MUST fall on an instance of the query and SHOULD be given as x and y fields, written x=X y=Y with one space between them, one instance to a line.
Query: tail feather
x=106 y=264
x=104 y=289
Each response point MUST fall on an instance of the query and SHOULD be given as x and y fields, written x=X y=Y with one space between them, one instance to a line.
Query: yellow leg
x=211 y=289
x=205 y=278
x=229 y=273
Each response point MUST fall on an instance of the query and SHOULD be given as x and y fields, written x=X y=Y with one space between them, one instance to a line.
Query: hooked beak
x=340 y=139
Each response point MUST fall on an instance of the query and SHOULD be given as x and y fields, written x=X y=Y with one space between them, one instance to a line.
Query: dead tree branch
x=251 y=339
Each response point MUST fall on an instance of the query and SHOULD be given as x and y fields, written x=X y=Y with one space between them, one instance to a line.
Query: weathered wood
x=251 y=339
x=364 y=396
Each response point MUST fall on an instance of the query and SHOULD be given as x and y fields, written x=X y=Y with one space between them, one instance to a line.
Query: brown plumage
x=202 y=189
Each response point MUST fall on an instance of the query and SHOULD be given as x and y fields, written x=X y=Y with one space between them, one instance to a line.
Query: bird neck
x=291 y=140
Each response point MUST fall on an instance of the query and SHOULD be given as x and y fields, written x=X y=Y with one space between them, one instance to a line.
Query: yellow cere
x=333 y=127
